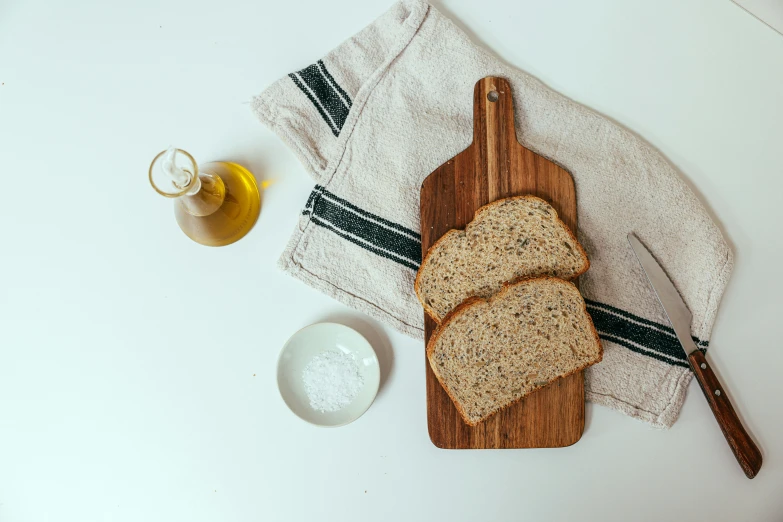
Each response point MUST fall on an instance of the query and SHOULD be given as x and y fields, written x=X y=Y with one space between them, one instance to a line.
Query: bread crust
x=473 y=301
x=417 y=283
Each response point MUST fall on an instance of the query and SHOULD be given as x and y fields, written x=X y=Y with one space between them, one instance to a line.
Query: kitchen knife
x=748 y=455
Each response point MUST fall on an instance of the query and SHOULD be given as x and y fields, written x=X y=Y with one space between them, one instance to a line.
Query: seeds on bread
x=490 y=353
x=507 y=240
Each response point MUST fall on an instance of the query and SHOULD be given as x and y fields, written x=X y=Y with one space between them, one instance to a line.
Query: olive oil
x=216 y=209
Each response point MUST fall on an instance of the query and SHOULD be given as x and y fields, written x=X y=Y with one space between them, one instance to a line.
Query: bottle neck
x=208 y=199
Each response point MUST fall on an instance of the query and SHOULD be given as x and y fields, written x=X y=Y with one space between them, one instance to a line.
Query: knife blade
x=678 y=314
x=745 y=450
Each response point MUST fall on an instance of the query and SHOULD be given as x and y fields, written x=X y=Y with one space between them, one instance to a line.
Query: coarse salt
x=332 y=381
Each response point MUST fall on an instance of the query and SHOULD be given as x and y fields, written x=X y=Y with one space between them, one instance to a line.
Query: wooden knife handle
x=746 y=451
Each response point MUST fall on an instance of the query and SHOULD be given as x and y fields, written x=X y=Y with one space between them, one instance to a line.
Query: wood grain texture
x=496 y=166
x=746 y=451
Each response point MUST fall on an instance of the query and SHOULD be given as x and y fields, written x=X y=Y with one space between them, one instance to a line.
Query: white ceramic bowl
x=300 y=350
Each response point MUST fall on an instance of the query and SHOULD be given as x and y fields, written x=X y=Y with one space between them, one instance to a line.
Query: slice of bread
x=488 y=354
x=507 y=240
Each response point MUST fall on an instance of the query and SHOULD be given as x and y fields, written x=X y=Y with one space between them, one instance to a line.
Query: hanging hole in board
x=493 y=96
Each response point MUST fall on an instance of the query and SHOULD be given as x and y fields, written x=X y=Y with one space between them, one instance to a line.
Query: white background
x=137 y=368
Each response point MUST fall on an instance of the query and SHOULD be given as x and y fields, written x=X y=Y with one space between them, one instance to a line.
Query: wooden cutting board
x=496 y=166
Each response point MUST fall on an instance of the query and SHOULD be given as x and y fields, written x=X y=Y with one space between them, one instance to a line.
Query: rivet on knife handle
x=746 y=451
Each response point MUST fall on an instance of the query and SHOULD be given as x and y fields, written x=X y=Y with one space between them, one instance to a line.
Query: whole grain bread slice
x=508 y=239
x=490 y=353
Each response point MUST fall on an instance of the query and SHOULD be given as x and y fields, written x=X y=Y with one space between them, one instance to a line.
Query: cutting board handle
x=493 y=130
x=493 y=111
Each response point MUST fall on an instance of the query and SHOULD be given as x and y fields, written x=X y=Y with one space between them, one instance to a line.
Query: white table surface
x=137 y=368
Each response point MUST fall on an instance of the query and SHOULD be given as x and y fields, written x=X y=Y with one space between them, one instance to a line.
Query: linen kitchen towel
x=380 y=112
